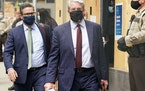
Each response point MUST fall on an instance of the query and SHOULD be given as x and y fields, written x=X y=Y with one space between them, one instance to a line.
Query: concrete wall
x=60 y=15
x=95 y=5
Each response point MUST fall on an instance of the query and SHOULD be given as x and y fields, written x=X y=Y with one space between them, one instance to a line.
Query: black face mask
x=29 y=20
x=76 y=16
x=135 y=4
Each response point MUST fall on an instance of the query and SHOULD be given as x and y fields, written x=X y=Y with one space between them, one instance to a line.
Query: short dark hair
x=24 y=6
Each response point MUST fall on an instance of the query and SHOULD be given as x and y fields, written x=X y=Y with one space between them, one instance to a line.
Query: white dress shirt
x=86 y=55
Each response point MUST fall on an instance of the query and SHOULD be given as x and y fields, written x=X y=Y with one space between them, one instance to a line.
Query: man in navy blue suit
x=26 y=78
x=78 y=66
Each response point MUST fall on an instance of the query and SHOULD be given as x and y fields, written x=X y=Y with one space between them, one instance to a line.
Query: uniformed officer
x=135 y=45
x=4 y=28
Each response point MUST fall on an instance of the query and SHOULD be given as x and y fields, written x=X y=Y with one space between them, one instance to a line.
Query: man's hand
x=104 y=84
x=49 y=86
x=12 y=74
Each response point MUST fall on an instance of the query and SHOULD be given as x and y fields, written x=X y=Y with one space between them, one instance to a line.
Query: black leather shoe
x=11 y=88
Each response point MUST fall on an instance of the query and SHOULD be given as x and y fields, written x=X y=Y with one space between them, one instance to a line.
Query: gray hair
x=79 y=1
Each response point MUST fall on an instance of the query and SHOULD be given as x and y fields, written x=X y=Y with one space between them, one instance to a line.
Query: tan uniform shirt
x=136 y=33
x=4 y=25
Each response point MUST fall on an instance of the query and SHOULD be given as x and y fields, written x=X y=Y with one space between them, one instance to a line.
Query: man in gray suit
x=78 y=66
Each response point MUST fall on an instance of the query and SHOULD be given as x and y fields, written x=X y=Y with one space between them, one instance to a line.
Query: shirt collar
x=74 y=25
x=141 y=9
x=26 y=27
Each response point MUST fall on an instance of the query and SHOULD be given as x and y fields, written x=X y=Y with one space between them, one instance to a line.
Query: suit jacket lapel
x=89 y=28
x=69 y=36
x=22 y=33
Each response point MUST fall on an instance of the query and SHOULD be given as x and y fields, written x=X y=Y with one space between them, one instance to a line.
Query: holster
x=136 y=50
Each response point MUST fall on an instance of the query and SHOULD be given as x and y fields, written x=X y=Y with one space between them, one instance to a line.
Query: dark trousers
x=85 y=81
x=35 y=80
x=137 y=73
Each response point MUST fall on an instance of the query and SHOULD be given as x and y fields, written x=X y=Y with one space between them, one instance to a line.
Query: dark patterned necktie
x=79 y=48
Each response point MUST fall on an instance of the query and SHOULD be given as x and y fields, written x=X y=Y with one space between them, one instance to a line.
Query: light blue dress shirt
x=38 y=46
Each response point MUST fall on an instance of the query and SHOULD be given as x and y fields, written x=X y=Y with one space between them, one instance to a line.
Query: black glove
x=2 y=34
x=121 y=44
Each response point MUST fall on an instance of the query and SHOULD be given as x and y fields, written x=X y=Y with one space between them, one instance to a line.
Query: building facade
x=11 y=6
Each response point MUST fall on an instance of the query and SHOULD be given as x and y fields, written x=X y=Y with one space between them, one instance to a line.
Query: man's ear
x=85 y=13
x=21 y=17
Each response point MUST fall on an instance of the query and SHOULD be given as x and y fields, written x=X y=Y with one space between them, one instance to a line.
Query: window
x=8 y=0
x=50 y=1
x=24 y=1
x=29 y=0
x=2 y=5
x=40 y=0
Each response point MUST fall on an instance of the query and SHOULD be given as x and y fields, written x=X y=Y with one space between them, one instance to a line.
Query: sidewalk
x=4 y=80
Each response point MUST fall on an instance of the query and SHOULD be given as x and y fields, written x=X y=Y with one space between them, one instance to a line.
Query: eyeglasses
x=29 y=14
